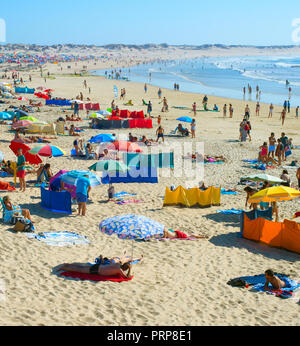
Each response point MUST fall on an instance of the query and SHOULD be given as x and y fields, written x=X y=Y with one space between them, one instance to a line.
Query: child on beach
x=193 y=128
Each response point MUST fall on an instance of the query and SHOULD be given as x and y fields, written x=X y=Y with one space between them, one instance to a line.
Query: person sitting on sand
x=72 y=131
x=123 y=269
x=108 y=155
x=146 y=141
x=46 y=168
x=285 y=176
x=10 y=206
x=275 y=282
x=77 y=143
x=183 y=131
x=7 y=168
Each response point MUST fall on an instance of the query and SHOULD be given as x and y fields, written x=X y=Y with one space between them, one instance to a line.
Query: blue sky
x=257 y=22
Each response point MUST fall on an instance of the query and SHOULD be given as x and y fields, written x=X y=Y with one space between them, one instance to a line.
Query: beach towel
x=121 y=194
x=128 y=201
x=5 y=174
x=258 y=281
x=81 y=276
x=230 y=211
x=62 y=238
x=4 y=185
x=228 y=192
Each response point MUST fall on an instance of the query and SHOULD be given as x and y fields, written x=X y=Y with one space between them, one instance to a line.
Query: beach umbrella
x=30 y=158
x=23 y=114
x=185 y=119
x=30 y=118
x=274 y=194
x=132 y=226
x=102 y=138
x=78 y=101
x=5 y=116
x=72 y=177
x=96 y=116
x=124 y=146
x=104 y=112
x=109 y=166
x=263 y=177
x=21 y=124
x=47 y=150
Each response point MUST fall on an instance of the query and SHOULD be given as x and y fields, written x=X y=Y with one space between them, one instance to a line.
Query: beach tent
x=193 y=197
x=159 y=160
x=55 y=184
x=59 y=202
x=284 y=235
x=133 y=175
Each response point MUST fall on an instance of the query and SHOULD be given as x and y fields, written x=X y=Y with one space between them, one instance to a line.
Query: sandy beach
x=178 y=282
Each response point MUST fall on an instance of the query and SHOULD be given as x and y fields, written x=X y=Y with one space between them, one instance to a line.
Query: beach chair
x=43 y=177
x=8 y=214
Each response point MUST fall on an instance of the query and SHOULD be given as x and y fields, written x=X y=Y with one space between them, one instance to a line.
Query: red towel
x=81 y=276
x=181 y=235
x=4 y=185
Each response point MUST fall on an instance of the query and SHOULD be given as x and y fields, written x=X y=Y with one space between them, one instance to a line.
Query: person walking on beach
x=257 y=109
x=193 y=128
x=194 y=107
x=247 y=112
x=230 y=110
x=160 y=134
x=159 y=93
x=285 y=105
x=224 y=111
x=282 y=116
x=279 y=151
x=271 y=110
x=288 y=107
x=83 y=188
x=297 y=111
x=149 y=108
x=158 y=120
x=145 y=88
x=21 y=170
x=76 y=108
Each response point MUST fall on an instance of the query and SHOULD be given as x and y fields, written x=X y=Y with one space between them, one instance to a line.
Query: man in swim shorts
x=272 y=143
x=83 y=188
x=99 y=269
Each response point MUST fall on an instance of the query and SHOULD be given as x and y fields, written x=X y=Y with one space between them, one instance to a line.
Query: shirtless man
x=271 y=110
x=160 y=134
x=273 y=280
x=272 y=144
x=99 y=268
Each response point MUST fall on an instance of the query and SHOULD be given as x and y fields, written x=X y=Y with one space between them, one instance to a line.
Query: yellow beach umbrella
x=274 y=194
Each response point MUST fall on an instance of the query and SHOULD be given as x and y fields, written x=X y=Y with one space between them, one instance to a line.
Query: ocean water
x=225 y=76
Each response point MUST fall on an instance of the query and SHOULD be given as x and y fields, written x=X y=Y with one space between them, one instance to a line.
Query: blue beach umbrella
x=132 y=226
x=72 y=177
x=185 y=119
x=104 y=112
x=102 y=138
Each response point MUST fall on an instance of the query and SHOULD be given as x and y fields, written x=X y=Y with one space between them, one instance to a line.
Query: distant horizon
x=218 y=45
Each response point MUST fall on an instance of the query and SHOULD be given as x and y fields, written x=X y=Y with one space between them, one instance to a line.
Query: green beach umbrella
x=263 y=177
x=30 y=118
x=109 y=166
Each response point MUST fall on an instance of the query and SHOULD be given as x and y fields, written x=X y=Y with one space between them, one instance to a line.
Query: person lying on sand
x=273 y=280
x=119 y=268
x=146 y=141
x=121 y=260
x=10 y=206
x=178 y=234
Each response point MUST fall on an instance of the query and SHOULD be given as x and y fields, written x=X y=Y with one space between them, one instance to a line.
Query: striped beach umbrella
x=21 y=124
x=109 y=166
x=72 y=177
x=30 y=118
x=47 y=150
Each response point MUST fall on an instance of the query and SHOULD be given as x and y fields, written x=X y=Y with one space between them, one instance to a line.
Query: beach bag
x=288 y=151
x=23 y=225
x=237 y=283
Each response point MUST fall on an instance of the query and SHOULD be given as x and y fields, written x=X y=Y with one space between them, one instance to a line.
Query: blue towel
x=60 y=238
x=4 y=175
x=226 y=192
x=230 y=211
x=258 y=282
x=251 y=161
x=120 y=194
